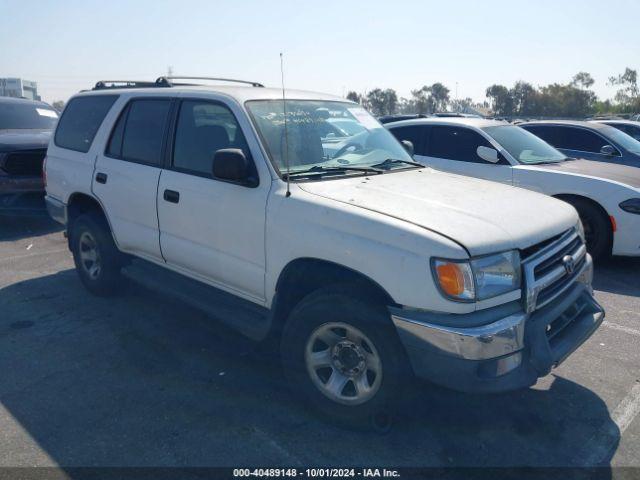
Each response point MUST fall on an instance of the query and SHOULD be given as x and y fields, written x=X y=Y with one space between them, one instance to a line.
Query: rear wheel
x=342 y=355
x=97 y=259
x=597 y=228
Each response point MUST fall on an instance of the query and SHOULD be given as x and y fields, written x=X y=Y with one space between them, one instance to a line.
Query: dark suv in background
x=25 y=129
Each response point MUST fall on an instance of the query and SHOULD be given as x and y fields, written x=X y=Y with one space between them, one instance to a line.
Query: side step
x=242 y=315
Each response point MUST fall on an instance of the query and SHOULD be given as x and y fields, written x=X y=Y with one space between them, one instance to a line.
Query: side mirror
x=231 y=165
x=488 y=154
x=408 y=146
x=608 y=150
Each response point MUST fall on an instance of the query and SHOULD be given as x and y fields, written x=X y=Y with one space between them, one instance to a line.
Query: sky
x=329 y=46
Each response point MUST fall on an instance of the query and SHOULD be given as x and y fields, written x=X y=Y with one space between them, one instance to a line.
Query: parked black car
x=589 y=140
x=25 y=129
x=629 y=127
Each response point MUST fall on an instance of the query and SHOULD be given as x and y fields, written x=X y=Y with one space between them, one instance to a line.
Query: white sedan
x=606 y=196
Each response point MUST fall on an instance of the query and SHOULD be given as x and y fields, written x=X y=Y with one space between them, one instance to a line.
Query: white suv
x=366 y=267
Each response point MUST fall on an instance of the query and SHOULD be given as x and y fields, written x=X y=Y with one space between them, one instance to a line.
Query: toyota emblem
x=569 y=264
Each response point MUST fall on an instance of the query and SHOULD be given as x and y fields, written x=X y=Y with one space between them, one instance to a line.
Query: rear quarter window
x=81 y=120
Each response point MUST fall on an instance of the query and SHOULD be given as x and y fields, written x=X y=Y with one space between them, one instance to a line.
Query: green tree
x=382 y=102
x=58 y=105
x=354 y=96
x=501 y=100
x=430 y=98
x=627 y=96
x=461 y=105
x=523 y=98
x=582 y=80
x=439 y=96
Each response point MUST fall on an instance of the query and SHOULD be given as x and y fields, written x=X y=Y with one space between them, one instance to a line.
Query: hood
x=11 y=140
x=609 y=171
x=482 y=216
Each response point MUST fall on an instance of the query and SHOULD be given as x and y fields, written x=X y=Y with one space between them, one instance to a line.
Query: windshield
x=18 y=115
x=624 y=140
x=524 y=146
x=313 y=141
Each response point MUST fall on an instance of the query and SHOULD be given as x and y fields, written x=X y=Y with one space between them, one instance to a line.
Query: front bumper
x=510 y=350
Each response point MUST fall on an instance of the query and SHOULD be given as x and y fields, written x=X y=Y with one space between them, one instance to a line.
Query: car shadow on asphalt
x=17 y=227
x=619 y=275
x=139 y=380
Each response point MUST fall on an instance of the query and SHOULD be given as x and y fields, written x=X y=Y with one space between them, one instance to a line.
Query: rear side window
x=548 y=134
x=140 y=131
x=81 y=120
x=456 y=143
x=416 y=134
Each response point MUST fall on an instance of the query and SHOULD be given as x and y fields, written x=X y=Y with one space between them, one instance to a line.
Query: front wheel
x=342 y=355
x=597 y=228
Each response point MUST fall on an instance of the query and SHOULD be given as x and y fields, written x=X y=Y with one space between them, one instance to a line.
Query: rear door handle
x=101 y=177
x=171 y=196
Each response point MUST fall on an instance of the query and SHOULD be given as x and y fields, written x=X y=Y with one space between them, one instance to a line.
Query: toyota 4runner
x=369 y=269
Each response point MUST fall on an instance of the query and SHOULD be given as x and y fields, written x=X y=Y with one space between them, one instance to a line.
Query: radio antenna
x=286 y=133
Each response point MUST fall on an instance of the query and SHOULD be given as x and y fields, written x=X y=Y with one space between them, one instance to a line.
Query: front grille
x=552 y=268
x=27 y=163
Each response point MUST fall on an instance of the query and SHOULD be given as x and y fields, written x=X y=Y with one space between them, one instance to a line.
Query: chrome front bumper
x=511 y=335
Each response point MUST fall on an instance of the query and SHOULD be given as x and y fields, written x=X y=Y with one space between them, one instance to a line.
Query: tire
x=374 y=359
x=597 y=228
x=97 y=259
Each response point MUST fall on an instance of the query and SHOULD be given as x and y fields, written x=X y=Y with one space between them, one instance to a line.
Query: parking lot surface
x=142 y=380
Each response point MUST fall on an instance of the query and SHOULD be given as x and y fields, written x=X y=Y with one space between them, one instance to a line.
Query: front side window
x=307 y=141
x=579 y=139
x=456 y=143
x=203 y=128
x=524 y=146
x=81 y=120
x=628 y=142
x=139 y=134
x=25 y=115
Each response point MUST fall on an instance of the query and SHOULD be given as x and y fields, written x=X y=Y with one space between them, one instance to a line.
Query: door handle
x=171 y=196
x=101 y=177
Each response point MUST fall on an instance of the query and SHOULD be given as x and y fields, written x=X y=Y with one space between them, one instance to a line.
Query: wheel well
x=305 y=275
x=79 y=204
x=569 y=198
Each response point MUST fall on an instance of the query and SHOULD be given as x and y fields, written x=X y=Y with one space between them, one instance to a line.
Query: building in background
x=19 y=88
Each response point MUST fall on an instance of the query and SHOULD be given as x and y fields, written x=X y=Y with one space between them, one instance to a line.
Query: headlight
x=632 y=205
x=479 y=278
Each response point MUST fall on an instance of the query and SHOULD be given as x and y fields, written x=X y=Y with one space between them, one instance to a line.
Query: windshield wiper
x=322 y=170
x=389 y=162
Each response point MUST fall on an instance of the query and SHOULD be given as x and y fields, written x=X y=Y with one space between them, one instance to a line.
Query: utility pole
x=169 y=71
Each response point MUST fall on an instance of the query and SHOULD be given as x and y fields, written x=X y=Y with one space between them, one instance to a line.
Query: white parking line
x=621 y=328
x=288 y=457
x=35 y=254
x=600 y=447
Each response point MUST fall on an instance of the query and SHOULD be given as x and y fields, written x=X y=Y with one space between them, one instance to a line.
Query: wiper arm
x=392 y=161
x=321 y=170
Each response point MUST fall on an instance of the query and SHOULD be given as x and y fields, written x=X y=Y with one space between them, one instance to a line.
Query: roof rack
x=104 y=84
x=169 y=80
x=163 y=82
